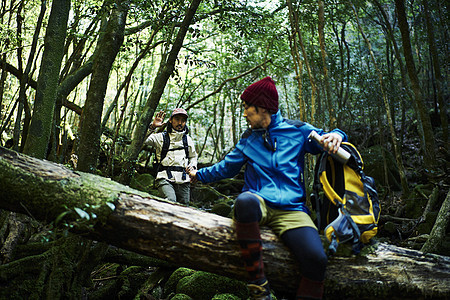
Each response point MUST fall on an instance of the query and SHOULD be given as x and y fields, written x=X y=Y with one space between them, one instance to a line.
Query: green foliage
x=374 y=166
x=84 y=217
x=143 y=182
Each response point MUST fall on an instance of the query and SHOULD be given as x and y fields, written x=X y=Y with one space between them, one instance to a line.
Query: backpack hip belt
x=170 y=169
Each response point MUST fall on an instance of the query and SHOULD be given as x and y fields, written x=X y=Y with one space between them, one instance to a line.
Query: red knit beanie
x=263 y=94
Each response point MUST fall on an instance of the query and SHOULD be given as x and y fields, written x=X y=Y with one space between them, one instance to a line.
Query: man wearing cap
x=175 y=152
x=273 y=151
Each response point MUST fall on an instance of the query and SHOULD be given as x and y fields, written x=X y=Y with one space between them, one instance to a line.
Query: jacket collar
x=177 y=135
x=276 y=119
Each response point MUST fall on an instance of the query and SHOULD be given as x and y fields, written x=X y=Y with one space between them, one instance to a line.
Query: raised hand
x=158 y=121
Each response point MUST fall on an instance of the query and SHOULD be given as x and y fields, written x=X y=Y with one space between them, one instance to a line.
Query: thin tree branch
x=227 y=80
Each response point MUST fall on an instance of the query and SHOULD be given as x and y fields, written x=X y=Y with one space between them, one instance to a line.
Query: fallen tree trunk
x=184 y=236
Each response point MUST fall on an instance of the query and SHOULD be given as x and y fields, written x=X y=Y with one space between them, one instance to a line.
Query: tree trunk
x=15 y=228
x=192 y=238
x=28 y=74
x=298 y=68
x=332 y=115
x=66 y=86
x=429 y=150
x=3 y=77
x=437 y=235
x=401 y=67
x=165 y=70
x=21 y=99
x=296 y=28
x=44 y=103
x=91 y=128
x=437 y=73
x=342 y=82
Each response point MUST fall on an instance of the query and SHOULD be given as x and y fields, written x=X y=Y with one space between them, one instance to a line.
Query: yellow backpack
x=345 y=200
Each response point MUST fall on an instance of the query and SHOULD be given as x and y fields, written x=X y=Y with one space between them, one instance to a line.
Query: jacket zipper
x=275 y=154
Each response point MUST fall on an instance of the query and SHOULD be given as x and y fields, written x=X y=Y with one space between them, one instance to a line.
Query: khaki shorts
x=282 y=220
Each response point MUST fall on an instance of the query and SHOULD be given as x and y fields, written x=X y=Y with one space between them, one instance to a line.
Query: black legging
x=304 y=242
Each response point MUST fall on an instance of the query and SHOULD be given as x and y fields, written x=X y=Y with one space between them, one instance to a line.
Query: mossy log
x=188 y=237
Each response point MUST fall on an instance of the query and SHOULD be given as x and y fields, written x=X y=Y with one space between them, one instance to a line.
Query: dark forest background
x=80 y=82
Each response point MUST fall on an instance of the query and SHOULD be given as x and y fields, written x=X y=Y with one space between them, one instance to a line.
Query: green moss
x=369 y=249
x=205 y=195
x=157 y=293
x=131 y=280
x=177 y=275
x=152 y=287
x=221 y=209
x=47 y=275
x=18 y=289
x=143 y=182
x=181 y=297
x=344 y=250
x=61 y=194
x=204 y=286
x=225 y=297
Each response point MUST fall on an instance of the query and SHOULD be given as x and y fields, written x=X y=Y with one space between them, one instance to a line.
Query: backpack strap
x=186 y=152
x=355 y=162
x=329 y=190
x=316 y=200
x=185 y=145
x=165 y=149
x=341 y=230
x=166 y=144
x=169 y=170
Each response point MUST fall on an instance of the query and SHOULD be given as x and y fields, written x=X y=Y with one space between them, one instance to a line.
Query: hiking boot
x=259 y=291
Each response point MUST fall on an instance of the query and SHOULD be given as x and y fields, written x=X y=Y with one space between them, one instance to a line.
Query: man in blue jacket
x=273 y=151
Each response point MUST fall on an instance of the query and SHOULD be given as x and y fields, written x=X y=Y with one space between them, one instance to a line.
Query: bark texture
x=429 y=149
x=192 y=238
x=91 y=128
x=437 y=72
x=437 y=235
x=44 y=103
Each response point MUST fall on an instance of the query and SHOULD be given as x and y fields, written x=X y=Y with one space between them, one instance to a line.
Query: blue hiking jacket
x=275 y=175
